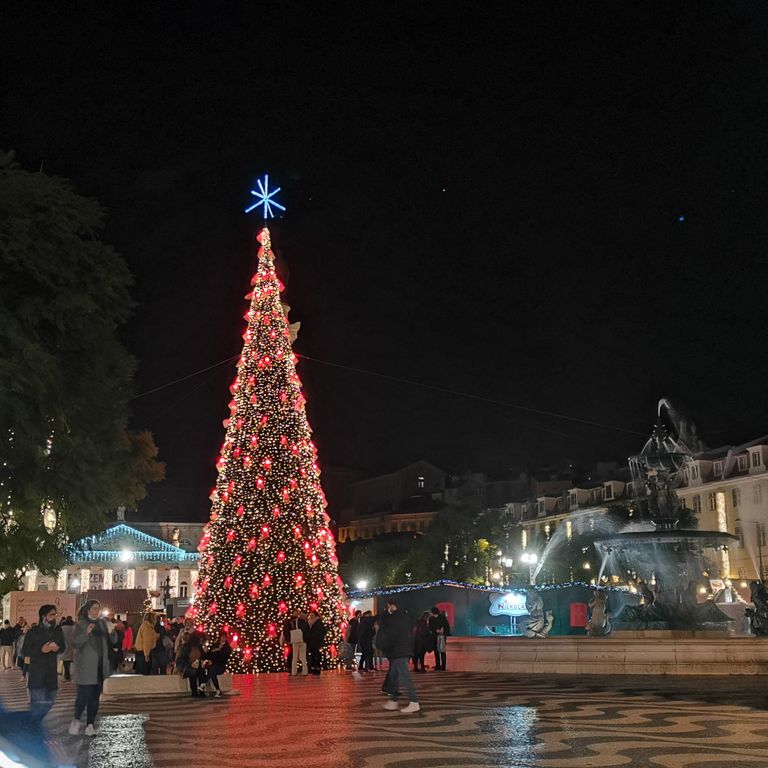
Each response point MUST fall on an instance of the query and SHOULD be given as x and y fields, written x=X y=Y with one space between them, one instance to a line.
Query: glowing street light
x=362 y=584
x=530 y=559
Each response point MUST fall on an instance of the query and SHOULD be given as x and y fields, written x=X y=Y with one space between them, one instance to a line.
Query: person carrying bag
x=298 y=638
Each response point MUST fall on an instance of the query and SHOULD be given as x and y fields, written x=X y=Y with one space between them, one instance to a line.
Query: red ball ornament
x=280 y=557
x=260 y=483
x=282 y=606
x=267 y=463
x=306 y=546
x=333 y=651
x=294 y=483
x=235 y=640
x=264 y=531
x=230 y=535
x=239 y=423
x=228 y=582
x=240 y=612
x=247 y=461
x=212 y=608
x=297 y=531
x=267 y=580
x=240 y=511
x=254 y=591
x=284 y=440
x=236 y=453
x=313 y=606
x=299 y=578
x=275 y=512
x=271 y=630
x=225 y=628
x=251 y=544
x=254 y=441
x=328 y=578
x=264 y=420
x=286 y=494
x=247 y=654
x=238 y=560
x=314 y=560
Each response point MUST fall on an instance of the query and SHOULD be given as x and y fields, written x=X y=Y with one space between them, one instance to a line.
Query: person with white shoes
x=92 y=640
x=397 y=644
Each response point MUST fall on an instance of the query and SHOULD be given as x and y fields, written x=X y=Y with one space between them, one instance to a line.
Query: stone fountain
x=669 y=563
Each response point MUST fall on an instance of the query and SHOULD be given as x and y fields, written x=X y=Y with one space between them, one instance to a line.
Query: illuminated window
x=712 y=502
x=420 y=481
x=568 y=530
x=183 y=589
x=524 y=538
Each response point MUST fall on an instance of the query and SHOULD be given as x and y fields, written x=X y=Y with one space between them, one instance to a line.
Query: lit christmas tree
x=267 y=548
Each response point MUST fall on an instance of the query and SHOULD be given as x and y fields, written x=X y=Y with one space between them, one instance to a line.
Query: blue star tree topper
x=265 y=197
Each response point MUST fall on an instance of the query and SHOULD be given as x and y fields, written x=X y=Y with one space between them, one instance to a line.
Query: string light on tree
x=267 y=549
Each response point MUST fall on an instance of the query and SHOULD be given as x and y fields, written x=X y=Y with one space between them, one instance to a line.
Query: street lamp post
x=530 y=559
x=166 y=587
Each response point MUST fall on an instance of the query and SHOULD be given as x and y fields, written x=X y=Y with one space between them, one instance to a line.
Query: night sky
x=561 y=206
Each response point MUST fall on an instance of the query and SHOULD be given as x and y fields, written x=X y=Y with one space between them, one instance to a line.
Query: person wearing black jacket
x=7 y=636
x=365 y=635
x=315 y=639
x=216 y=661
x=440 y=629
x=42 y=644
x=397 y=644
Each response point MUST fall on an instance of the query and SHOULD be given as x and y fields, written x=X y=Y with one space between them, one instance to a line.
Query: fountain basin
x=660 y=654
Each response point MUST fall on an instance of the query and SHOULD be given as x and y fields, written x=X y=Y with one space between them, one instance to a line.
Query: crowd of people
x=98 y=645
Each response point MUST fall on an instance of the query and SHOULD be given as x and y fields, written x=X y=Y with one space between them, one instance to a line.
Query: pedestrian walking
x=92 y=639
x=42 y=643
x=365 y=638
x=422 y=642
x=352 y=639
x=315 y=639
x=440 y=629
x=397 y=644
x=7 y=636
x=68 y=629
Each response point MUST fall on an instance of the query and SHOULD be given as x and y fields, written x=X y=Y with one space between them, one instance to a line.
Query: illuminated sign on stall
x=508 y=604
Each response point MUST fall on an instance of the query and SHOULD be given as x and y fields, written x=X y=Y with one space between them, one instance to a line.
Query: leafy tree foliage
x=65 y=378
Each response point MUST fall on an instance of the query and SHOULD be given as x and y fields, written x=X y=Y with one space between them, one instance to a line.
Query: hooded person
x=92 y=640
x=42 y=645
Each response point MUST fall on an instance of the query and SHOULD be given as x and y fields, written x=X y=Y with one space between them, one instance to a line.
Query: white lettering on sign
x=508 y=604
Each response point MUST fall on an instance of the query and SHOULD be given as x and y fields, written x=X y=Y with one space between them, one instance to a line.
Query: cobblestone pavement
x=467 y=721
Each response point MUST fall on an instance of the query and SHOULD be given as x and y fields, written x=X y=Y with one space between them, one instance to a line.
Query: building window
x=718 y=468
x=739 y=535
x=755 y=458
x=572 y=500
x=736 y=496
x=183 y=589
x=538 y=508
x=608 y=492
x=757 y=493
x=712 y=502
x=685 y=475
x=695 y=471
x=420 y=481
x=697 y=503
x=547 y=530
x=742 y=463
x=761 y=534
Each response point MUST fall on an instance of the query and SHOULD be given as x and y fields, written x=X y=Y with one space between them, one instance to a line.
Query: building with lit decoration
x=123 y=564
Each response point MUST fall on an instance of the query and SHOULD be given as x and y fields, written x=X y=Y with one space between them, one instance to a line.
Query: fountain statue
x=656 y=552
x=599 y=624
x=758 y=614
x=539 y=621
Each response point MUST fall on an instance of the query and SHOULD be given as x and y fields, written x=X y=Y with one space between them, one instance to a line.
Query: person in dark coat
x=42 y=645
x=7 y=636
x=68 y=629
x=365 y=638
x=397 y=644
x=189 y=663
x=440 y=629
x=315 y=642
x=216 y=661
x=422 y=642
x=353 y=631
x=92 y=639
